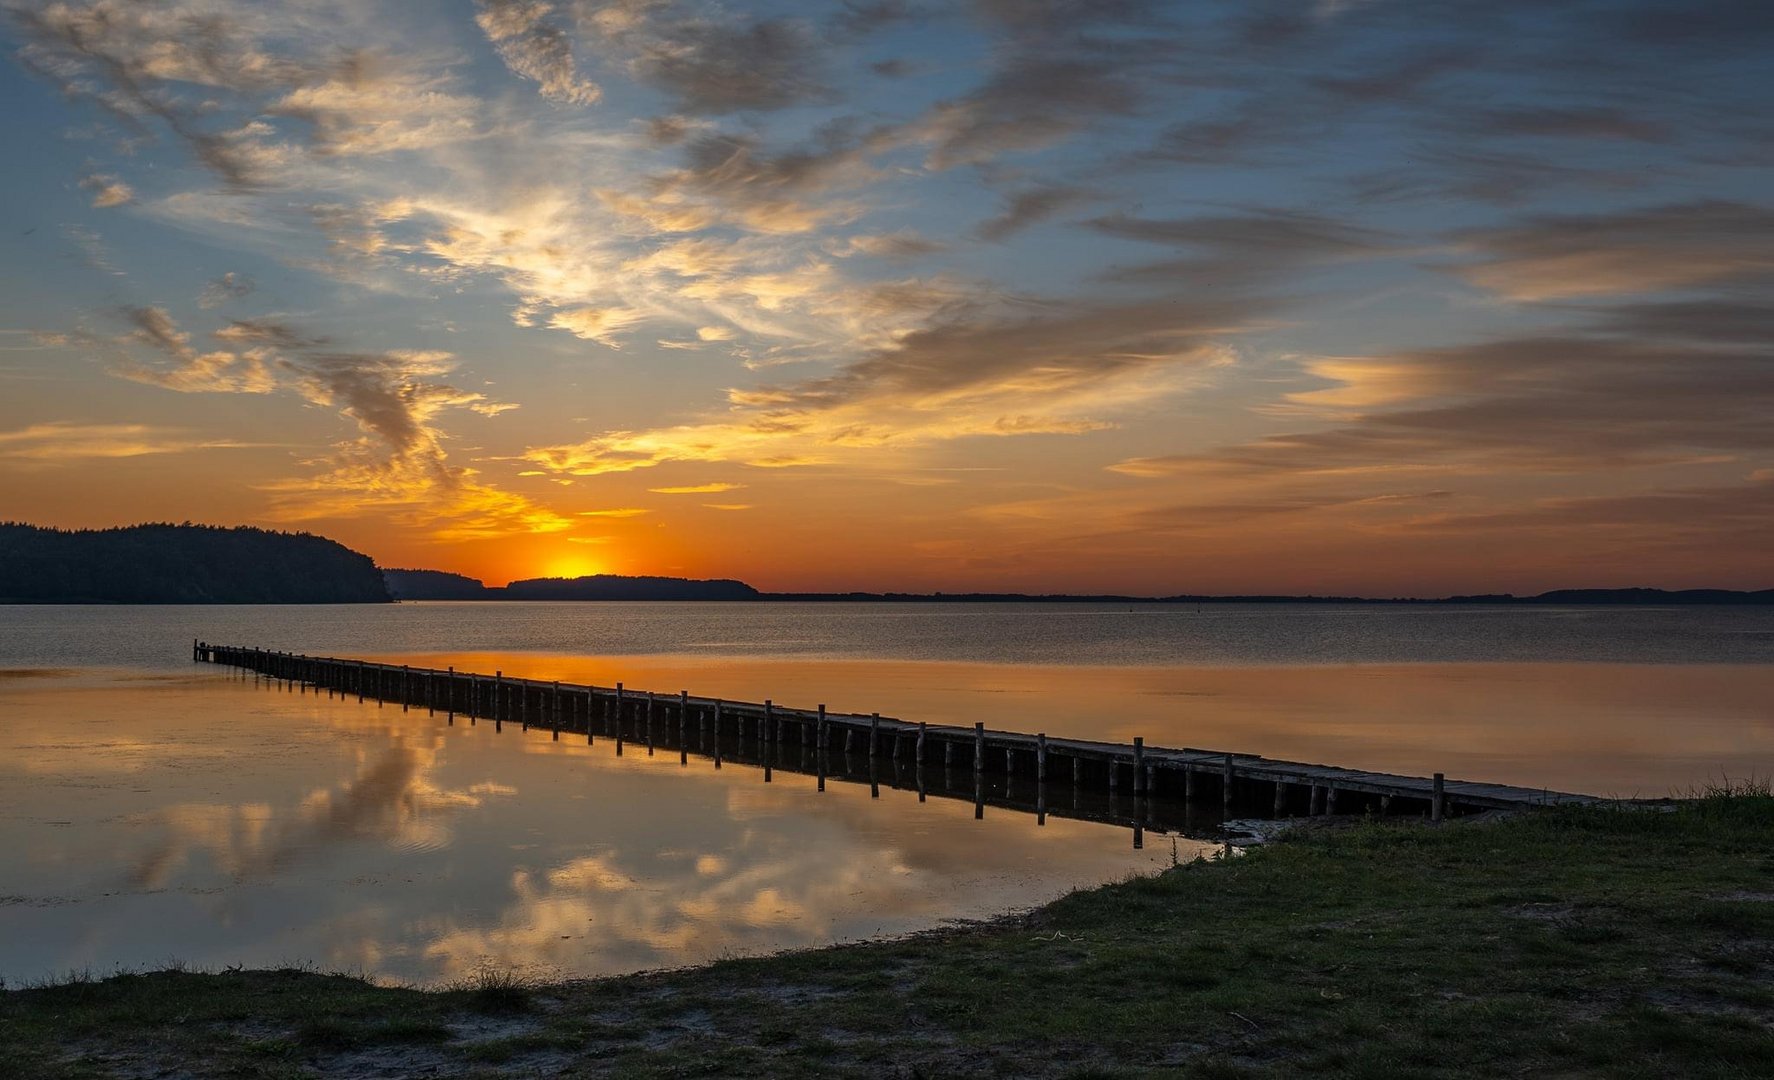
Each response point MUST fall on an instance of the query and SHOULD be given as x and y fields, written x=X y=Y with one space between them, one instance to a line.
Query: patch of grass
x=491 y=991
x=1609 y=941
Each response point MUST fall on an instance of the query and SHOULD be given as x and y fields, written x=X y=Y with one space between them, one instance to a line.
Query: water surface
x=153 y=810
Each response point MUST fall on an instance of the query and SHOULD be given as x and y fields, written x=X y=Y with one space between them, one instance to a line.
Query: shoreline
x=1606 y=941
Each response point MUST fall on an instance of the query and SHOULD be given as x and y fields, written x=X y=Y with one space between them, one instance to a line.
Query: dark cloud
x=1453 y=172
x=782 y=192
x=1724 y=322
x=1556 y=404
x=1725 y=517
x=711 y=67
x=1030 y=101
x=1193 y=516
x=128 y=58
x=1571 y=123
x=268 y=332
x=1241 y=249
x=1400 y=80
x=1028 y=208
x=858 y=17
x=1628 y=251
x=1057 y=352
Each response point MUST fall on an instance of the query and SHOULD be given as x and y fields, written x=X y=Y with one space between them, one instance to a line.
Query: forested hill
x=435 y=585
x=182 y=564
x=621 y=587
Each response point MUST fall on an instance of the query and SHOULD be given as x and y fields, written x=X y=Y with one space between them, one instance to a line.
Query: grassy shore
x=1580 y=942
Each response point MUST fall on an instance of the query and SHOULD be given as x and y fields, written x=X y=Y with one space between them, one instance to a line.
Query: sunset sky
x=1371 y=296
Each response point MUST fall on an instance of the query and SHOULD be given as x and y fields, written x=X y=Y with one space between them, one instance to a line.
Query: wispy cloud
x=63 y=441
x=696 y=489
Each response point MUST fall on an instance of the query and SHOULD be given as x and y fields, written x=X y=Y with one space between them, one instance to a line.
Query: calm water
x=151 y=810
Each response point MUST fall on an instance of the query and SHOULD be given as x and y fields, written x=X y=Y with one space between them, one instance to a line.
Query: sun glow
x=572 y=565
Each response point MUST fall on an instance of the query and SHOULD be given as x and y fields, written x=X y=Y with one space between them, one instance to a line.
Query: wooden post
x=649 y=723
x=1330 y=799
x=979 y=771
x=1385 y=804
x=820 y=737
x=406 y=679
x=769 y=722
x=920 y=750
x=1438 y=804
x=717 y=733
x=1188 y=782
x=1226 y=788
x=1280 y=799
x=683 y=727
x=874 y=736
x=1040 y=761
x=1139 y=767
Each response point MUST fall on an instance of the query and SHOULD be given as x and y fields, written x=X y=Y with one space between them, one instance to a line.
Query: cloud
x=904 y=244
x=218 y=371
x=1028 y=208
x=697 y=489
x=230 y=286
x=1241 y=249
x=618 y=512
x=976 y=375
x=108 y=190
x=1564 y=122
x=594 y=324
x=738 y=182
x=1633 y=251
x=1544 y=405
x=398 y=465
x=130 y=59
x=376 y=103
x=709 y=66
x=57 y=441
x=535 y=49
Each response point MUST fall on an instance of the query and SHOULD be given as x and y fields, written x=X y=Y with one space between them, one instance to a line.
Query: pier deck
x=1148 y=773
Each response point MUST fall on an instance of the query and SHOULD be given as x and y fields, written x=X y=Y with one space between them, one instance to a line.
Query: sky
x=1334 y=296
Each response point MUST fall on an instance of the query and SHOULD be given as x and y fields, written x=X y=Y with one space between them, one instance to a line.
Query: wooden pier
x=1000 y=767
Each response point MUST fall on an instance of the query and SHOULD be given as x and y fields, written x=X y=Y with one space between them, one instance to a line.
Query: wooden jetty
x=838 y=745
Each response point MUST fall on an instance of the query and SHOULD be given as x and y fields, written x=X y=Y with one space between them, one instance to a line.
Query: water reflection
x=215 y=821
x=1604 y=729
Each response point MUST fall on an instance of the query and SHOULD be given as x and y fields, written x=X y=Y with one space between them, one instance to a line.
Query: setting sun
x=572 y=565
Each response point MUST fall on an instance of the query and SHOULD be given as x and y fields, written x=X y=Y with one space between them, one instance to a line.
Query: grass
x=1569 y=942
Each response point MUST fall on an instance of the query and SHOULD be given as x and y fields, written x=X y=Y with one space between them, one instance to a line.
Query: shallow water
x=151 y=810
x=203 y=819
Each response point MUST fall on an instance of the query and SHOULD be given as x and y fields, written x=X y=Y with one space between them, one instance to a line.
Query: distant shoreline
x=1562 y=598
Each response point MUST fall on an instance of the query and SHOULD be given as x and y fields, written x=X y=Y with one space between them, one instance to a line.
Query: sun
x=572 y=566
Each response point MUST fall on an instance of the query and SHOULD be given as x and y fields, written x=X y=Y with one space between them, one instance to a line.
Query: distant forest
x=181 y=564
x=438 y=585
x=204 y=564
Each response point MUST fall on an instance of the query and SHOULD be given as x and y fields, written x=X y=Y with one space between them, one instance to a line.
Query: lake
x=155 y=810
